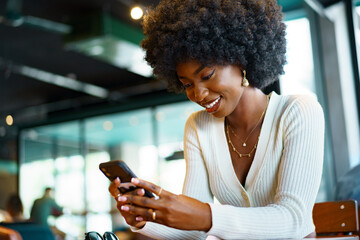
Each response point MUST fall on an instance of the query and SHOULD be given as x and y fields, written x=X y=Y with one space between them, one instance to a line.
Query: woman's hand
x=129 y=218
x=177 y=211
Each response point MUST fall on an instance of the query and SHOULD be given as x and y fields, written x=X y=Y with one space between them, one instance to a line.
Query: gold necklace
x=233 y=147
x=257 y=123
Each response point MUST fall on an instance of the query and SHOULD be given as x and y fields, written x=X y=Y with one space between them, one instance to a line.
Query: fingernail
x=135 y=180
x=122 y=199
x=141 y=192
x=139 y=219
x=125 y=208
x=117 y=179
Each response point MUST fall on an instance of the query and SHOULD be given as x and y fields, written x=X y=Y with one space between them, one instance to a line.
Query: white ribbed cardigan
x=282 y=183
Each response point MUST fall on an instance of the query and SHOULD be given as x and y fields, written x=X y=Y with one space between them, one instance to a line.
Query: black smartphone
x=118 y=168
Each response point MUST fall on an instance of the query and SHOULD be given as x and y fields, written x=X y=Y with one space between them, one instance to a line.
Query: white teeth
x=213 y=103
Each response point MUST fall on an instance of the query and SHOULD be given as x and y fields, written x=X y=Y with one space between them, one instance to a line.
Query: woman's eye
x=187 y=85
x=209 y=76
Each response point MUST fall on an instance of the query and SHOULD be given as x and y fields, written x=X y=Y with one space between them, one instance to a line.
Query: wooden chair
x=336 y=218
x=9 y=234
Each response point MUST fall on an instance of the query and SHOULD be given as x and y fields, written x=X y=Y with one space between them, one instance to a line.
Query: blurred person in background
x=15 y=208
x=348 y=186
x=4 y=216
x=43 y=208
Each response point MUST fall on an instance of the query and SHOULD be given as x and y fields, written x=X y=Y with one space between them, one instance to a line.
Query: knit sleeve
x=298 y=179
x=196 y=186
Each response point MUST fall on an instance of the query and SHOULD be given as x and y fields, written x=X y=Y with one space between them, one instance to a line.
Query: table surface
x=319 y=238
x=335 y=238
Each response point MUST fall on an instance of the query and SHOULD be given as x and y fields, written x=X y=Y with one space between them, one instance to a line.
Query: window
x=299 y=70
x=66 y=156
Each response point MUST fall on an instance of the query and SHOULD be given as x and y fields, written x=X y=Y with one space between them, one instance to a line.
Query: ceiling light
x=97 y=50
x=160 y=116
x=9 y=120
x=32 y=134
x=136 y=13
x=108 y=125
x=134 y=121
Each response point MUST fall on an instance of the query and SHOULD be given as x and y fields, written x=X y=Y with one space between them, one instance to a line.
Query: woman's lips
x=213 y=106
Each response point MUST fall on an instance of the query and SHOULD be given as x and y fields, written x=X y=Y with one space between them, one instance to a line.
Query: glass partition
x=116 y=136
x=66 y=156
x=51 y=157
x=171 y=122
x=299 y=70
x=299 y=78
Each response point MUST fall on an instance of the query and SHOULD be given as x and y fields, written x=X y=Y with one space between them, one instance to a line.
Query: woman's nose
x=200 y=93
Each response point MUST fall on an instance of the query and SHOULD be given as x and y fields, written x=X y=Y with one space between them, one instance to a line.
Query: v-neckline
x=226 y=167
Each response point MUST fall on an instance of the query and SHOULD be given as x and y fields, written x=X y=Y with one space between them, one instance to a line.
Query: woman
x=259 y=155
x=15 y=208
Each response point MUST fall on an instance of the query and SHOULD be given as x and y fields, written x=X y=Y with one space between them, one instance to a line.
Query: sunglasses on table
x=96 y=236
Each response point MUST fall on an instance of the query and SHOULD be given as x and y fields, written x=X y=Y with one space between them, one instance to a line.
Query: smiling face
x=217 y=88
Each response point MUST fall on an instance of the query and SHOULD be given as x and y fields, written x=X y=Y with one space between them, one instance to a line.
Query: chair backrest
x=336 y=217
x=9 y=234
x=31 y=231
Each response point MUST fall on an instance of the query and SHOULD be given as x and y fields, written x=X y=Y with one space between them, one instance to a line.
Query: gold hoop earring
x=245 y=82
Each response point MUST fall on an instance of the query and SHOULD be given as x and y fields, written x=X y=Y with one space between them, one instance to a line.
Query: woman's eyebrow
x=195 y=72
x=180 y=77
x=199 y=69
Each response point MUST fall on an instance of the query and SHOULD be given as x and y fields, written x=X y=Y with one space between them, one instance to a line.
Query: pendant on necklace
x=244 y=144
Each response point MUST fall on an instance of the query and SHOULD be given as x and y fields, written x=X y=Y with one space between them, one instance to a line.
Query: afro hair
x=247 y=33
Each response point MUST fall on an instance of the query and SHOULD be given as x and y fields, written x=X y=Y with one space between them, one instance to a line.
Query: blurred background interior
x=75 y=92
